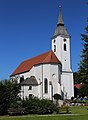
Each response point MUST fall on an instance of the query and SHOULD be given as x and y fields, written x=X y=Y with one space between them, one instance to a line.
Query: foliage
x=76 y=78
x=16 y=104
x=83 y=91
x=34 y=105
x=13 y=91
x=8 y=93
x=3 y=99
x=83 y=66
x=76 y=91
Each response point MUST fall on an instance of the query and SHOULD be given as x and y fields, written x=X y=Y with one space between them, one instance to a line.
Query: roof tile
x=48 y=57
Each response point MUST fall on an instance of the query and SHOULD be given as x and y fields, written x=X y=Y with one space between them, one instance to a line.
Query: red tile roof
x=48 y=57
x=77 y=85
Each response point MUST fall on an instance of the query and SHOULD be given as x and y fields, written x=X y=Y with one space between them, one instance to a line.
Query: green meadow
x=77 y=113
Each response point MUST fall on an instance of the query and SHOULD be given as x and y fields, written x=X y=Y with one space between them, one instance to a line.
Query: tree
x=8 y=94
x=76 y=78
x=13 y=91
x=76 y=90
x=3 y=99
x=83 y=66
x=83 y=91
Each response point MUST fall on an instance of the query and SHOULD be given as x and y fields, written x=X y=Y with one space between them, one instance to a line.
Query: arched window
x=64 y=47
x=54 y=48
x=21 y=79
x=45 y=85
x=30 y=87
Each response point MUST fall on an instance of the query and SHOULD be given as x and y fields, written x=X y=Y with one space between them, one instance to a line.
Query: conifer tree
x=83 y=66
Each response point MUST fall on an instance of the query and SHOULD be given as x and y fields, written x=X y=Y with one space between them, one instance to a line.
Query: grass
x=79 y=110
x=78 y=113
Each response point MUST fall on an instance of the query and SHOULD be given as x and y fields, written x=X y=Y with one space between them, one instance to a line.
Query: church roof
x=48 y=57
x=30 y=81
x=60 y=29
x=77 y=86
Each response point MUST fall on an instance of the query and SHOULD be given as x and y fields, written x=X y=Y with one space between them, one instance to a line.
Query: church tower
x=61 y=48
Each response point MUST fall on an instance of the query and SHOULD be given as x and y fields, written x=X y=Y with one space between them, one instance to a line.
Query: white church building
x=50 y=73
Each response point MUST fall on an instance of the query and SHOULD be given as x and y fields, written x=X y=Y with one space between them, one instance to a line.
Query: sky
x=26 y=28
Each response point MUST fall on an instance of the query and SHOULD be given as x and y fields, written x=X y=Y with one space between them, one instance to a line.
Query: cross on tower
x=60 y=3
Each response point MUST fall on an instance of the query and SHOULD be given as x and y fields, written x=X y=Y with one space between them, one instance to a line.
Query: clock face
x=54 y=76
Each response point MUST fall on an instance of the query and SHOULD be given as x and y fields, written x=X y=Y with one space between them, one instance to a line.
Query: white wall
x=25 y=91
x=52 y=73
x=41 y=72
x=67 y=82
x=55 y=77
x=63 y=56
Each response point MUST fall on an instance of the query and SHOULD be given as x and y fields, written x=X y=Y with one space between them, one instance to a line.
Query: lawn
x=78 y=113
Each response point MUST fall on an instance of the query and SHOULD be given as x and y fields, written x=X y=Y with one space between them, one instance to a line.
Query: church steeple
x=61 y=48
x=60 y=19
x=60 y=29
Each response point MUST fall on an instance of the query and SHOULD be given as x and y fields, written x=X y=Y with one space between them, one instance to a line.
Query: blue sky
x=26 y=28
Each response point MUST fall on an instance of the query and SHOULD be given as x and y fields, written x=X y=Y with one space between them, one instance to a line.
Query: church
x=49 y=73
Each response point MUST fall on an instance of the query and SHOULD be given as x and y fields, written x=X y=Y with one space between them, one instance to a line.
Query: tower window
x=54 y=48
x=64 y=47
x=64 y=40
x=54 y=41
x=46 y=85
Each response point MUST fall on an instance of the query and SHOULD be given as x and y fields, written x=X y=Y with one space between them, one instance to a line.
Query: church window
x=21 y=79
x=54 y=48
x=64 y=47
x=30 y=87
x=46 y=85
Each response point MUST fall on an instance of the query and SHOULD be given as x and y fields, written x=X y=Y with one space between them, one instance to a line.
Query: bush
x=37 y=106
x=34 y=105
x=16 y=104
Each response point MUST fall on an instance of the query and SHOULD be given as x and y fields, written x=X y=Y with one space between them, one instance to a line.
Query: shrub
x=37 y=106
x=33 y=105
x=16 y=104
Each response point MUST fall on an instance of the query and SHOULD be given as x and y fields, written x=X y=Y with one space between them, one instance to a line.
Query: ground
x=78 y=113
